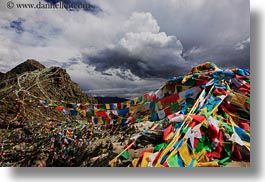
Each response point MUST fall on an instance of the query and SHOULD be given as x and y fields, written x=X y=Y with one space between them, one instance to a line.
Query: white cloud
x=242 y=44
x=141 y=22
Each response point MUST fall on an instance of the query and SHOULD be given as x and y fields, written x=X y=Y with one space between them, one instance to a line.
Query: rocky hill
x=27 y=66
x=35 y=80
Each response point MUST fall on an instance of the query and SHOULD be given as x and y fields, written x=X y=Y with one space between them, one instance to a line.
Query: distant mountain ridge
x=104 y=100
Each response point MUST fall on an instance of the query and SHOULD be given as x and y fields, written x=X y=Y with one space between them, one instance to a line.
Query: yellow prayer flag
x=185 y=153
x=100 y=121
x=201 y=157
x=146 y=118
x=165 y=90
x=128 y=103
x=186 y=78
x=184 y=87
x=238 y=99
x=208 y=164
x=107 y=106
x=180 y=100
x=136 y=108
x=135 y=100
x=112 y=163
x=145 y=159
x=203 y=111
x=119 y=120
x=159 y=105
x=214 y=111
x=135 y=162
x=247 y=145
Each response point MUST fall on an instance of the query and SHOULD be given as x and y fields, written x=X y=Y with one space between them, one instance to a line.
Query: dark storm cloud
x=109 y=58
x=223 y=55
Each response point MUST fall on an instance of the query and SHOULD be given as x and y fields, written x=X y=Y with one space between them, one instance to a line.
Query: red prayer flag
x=168 y=111
x=167 y=131
x=59 y=108
x=150 y=150
x=236 y=155
x=198 y=118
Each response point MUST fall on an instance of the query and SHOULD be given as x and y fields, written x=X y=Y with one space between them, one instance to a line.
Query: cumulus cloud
x=142 y=49
x=141 y=22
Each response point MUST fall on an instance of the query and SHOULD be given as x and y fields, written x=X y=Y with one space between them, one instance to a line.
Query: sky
x=126 y=48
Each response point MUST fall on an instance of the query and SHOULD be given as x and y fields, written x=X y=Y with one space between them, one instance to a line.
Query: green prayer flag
x=224 y=161
x=208 y=114
x=228 y=147
x=248 y=100
x=190 y=82
x=159 y=147
x=173 y=161
x=138 y=120
x=102 y=107
x=208 y=148
x=226 y=116
x=179 y=88
x=140 y=99
x=125 y=155
x=199 y=147
x=206 y=143
x=174 y=107
x=247 y=80
x=227 y=127
x=184 y=131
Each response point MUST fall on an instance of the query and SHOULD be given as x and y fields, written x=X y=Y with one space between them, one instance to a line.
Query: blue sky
x=128 y=47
